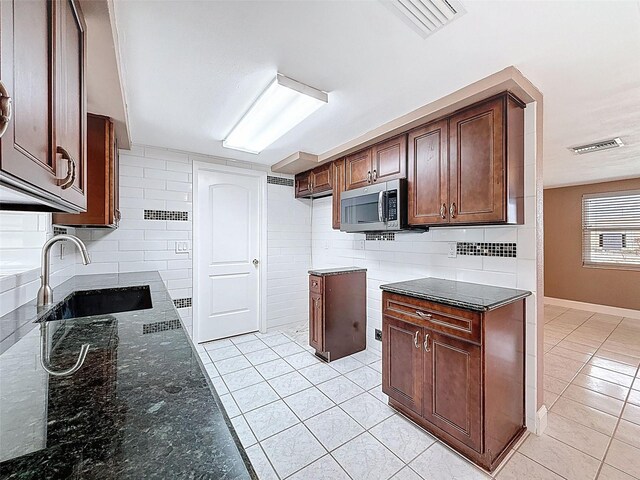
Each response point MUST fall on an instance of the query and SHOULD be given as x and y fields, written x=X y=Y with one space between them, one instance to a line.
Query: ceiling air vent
x=425 y=16
x=597 y=146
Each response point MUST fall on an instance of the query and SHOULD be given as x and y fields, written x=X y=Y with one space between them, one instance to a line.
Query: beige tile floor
x=302 y=419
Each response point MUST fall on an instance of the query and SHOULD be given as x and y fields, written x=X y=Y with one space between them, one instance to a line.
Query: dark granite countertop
x=139 y=407
x=472 y=296
x=323 y=272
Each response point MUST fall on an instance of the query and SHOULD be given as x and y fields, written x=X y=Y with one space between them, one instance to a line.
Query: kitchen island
x=140 y=406
x=453 y=361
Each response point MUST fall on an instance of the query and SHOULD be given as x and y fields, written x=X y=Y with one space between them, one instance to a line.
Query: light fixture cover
x=284 y=104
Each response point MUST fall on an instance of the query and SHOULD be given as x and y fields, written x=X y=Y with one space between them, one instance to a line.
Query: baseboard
x=593 y=307
x=541 y=420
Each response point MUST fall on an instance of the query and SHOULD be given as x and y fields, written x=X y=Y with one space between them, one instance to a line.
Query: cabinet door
x=477 y=166
x=452 y=370
x=316 y=323
x=358 y=170
x=338 y=188
x=69 y=101
x=303 y=184
x=322 y=179
x=402 y=362
x=389 y=159
x=428 y=182
x=25 y=65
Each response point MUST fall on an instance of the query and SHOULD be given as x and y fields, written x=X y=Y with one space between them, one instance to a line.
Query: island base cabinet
x=464 y=387
x=338 y=314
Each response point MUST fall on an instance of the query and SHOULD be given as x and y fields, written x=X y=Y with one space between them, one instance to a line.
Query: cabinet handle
x=5 y=109
x=426 y=316
x=427 y=348
x=67 y=181
x=314 y=283
x=415 y=339
x=452 y=210
x=443 y=211
x=375 y=175
x=369 y=176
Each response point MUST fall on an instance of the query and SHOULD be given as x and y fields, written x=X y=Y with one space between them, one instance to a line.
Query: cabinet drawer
x=464 y=324
x=315 y=284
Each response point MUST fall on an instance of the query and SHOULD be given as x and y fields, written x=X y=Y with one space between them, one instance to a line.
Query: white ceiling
x=193 y=68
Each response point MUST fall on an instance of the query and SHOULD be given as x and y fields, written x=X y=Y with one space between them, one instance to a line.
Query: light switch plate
x=453 y=253
x=182 y=246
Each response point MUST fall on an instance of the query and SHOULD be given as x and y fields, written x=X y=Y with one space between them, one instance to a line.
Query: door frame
x=199 y=167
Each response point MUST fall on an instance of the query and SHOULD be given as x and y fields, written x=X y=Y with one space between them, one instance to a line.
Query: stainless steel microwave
x=380 y=207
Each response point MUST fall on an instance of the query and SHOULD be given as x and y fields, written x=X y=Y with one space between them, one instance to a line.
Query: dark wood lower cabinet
x=457 y=373
x=337 y=313
x=403 y=360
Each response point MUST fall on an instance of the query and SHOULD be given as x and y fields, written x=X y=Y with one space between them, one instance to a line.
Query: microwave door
x=363 y=212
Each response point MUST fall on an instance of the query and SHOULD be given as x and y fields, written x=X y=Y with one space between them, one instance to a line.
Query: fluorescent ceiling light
x=283 y=105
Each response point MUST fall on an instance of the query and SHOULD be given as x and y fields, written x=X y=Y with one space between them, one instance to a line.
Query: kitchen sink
x=84 y=303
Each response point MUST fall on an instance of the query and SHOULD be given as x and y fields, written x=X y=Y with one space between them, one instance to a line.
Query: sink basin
x=84 y=303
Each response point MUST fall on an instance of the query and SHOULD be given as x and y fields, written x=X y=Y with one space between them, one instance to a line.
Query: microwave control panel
x=392 y=205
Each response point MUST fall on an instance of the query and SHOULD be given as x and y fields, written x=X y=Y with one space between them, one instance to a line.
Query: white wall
x=416 y=255
x=16 y=289
x=289 y=257
x=21 y=237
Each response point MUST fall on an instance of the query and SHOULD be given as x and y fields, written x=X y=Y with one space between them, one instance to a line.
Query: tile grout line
x=615 y=429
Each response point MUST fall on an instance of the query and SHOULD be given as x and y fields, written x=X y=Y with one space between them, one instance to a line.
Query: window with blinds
x=611 y=229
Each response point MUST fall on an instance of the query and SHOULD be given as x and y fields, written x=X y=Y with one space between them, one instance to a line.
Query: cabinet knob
x=5 y=109
x=415 y=339
x=427 y=348
x=443 y=211
x=314 y=283
x=452 y=210
x=255 y=262
x=68 y=180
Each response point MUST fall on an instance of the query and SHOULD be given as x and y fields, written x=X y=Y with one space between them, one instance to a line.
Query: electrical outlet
x=358 y=244
x=182 y=246
x=378 y=335
x=453 y=250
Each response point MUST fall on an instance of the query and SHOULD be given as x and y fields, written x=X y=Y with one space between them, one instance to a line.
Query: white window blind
x=611 y=229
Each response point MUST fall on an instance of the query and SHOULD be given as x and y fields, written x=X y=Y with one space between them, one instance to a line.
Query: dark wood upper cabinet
x=383 y=161
x=70 y=113
x=358 y=170
x=452 y=399
x=389 y=159
x=43 y=66
x=402 y=362
x=102 y=174
x=303 y=184
x=486 y=163
x=338 y=188
x=315 y=183
x=428 y=180
x=322 y=179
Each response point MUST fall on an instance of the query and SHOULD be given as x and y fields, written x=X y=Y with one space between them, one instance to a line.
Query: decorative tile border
x=480 y=249
x=287 y=182
x=182 y=302
x=166 y=215
x=161 y=326
x=386 y=236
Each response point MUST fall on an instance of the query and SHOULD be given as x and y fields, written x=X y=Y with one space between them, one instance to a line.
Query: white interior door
x=228 y=280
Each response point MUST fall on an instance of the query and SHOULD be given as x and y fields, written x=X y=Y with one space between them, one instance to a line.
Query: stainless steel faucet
x=45 y=294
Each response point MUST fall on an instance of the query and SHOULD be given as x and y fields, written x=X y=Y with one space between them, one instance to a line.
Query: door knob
x=255 y=262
